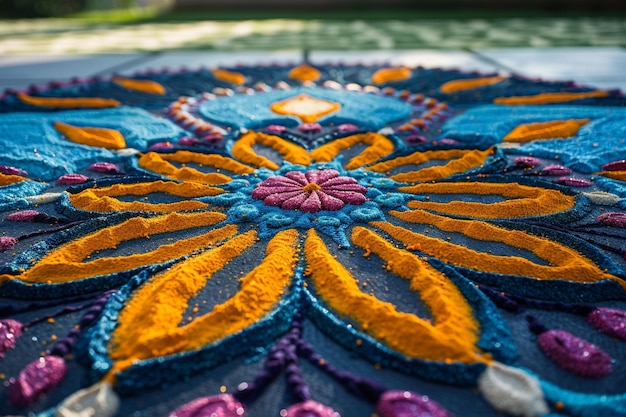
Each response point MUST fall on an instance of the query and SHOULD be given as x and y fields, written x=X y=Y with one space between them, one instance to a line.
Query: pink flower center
x=311 y=191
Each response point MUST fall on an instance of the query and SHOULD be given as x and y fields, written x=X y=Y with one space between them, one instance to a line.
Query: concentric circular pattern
x=378 y=239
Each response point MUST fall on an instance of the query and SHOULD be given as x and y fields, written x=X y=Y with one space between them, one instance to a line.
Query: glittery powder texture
x=556 y=170
x=573 y=182
x=575 y=354
x=23 y=216
x=409 y=404
x=602 y=198
x=615 y=219
x=98 y=400
x=526 y=162
x=7 y=242
x=610 y=321
x=7 y=170
x=398 y=233
x=312 y=191
x=10 y=330
x=72 y=179
x=222 y=405
x=615 y=166
x=37 y=379
x=104 y=167
x=309 y=408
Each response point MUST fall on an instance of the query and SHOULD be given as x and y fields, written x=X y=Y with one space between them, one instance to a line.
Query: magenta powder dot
x=7 y=242
x=610 y=321
x=10 y=331
x=7 y=170
x=161 y=146
x=414 y=138
x=613 y=218
x=23 y=216
x=36 y=380
x=409 y=404
x=212 y=137
x=347 y=127
x=275 y=129
x=309 y=408
x=527 y=162
x=574 y=354
x=556 y=170
x=574 y=182
x=104 y=167
x=311 y=192
x=72 y=179
x=222 y=405
x=615 y=166
x=310 y=127
x=188 y=141
x=447 y=141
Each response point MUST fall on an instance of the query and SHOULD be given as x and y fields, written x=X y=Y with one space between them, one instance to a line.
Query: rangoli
x=312 y=240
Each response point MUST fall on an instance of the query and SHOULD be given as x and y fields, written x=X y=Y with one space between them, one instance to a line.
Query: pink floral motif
x=311 y=191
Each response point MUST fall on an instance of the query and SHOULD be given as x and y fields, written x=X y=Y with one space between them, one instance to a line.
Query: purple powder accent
x=574 y=182
x=297 y=177
x=10 y=331
x=64 y=346
x=416 y=139
x=7 y=170
x=37 y=379
x=310 y=408
x=613 y=218
x=615 y=166
x=7 y=242
x=311 y=192
x=222 y=405
x=23 y=216
x=188 y=141
x=526 y=162
x=447 y=141
x=72 y=179
x=212 y=137
x=556 y=170
x=574 y=354
x=161 y=146
x=610 y=321
x=409 y=404
x=310 y=127
x=360 y=387
x=104 y=168
x=347 y=127
x=275 y=129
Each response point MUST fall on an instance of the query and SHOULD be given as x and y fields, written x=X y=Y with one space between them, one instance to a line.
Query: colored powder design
x=322 y=209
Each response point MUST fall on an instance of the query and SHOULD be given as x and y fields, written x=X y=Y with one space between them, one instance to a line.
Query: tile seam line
x=490 y=61
x=142 y=59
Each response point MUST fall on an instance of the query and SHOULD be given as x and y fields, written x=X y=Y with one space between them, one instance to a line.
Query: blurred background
x=580 y=40
x=111 y=26
x=48 y=8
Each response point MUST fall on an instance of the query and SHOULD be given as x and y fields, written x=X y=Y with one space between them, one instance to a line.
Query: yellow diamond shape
x=308 y=109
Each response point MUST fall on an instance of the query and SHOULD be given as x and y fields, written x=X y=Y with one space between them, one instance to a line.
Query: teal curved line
x=579 y=404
